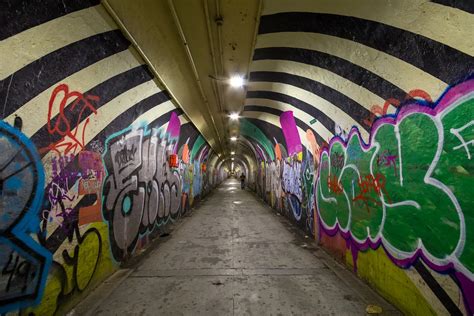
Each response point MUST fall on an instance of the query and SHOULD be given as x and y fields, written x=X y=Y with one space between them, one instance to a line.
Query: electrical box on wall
x=173 y=161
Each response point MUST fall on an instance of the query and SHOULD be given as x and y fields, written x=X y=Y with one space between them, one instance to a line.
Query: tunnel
x=236 y=157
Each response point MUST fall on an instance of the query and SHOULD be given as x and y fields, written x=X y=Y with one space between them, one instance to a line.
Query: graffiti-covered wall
x=95 y=157
x=361 y=116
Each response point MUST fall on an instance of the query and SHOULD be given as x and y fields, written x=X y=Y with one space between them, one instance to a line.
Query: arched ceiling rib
x=338 y=65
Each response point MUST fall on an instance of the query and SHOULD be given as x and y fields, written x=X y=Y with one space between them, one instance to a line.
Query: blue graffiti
x=196 y=178
x=24 y=263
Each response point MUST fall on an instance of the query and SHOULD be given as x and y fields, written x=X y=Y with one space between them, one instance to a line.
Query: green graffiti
x=250 y=130
x=196 y=147
x=412 y=188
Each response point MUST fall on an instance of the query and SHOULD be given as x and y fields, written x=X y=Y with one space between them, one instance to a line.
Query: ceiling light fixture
x=233 y=138
x=236 y=81
x=232 y=152
x=234 y=116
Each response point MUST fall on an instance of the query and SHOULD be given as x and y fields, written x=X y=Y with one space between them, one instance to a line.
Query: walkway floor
x=235 y=256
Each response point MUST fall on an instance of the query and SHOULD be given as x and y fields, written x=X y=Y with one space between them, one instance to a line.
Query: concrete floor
x=234 y=256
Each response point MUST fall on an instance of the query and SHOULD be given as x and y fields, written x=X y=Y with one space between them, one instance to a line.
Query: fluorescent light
x=236 y=81
x=234 y=116
x=233 y=138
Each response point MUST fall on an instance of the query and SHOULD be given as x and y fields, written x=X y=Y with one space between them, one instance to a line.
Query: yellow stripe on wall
x=36 y=42
x=109 y=111
x=81 y=81
x=446 y=282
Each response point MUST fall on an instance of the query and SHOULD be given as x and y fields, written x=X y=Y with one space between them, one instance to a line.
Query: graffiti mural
x=291 y=185
x=76 y=202
x=141 y=190
x=410 y=188
x=24 y=263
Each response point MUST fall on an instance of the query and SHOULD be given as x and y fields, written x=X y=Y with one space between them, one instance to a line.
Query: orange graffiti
x=334 y=185
x=277 y=152
x=377 y=110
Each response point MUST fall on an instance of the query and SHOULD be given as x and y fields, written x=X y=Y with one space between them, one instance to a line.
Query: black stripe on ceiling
x=306 y=107
x=465 y=5
x=34 y=78
x=123 y=120
x=437 y=289
x=106 y=91
x=163 y=119
x=348 y=105
x=19 y=15
x=188 y=131
x=300 y=123
x=339 y=66
x=437 y=59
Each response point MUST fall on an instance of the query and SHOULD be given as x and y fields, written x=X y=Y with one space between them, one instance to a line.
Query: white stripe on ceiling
x=81 y=81
x=154 y=113
x=332 y=111
x=320 y=129
x=443 y=24
x=350 y=89
x=275 y=120
x=392 y=69
x=36 y=42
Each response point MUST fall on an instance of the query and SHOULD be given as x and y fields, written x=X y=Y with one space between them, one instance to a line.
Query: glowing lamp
x=236 y=81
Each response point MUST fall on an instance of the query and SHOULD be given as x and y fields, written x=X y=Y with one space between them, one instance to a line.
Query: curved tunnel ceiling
x=315 y=69
x=336 y=65
x=193 y=47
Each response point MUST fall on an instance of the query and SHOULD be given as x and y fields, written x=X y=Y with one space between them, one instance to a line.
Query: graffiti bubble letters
x=415 y=177
x=71 y=107
x=292 y=179
x=292 y=185
x=24 y=263
x=141 y=190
